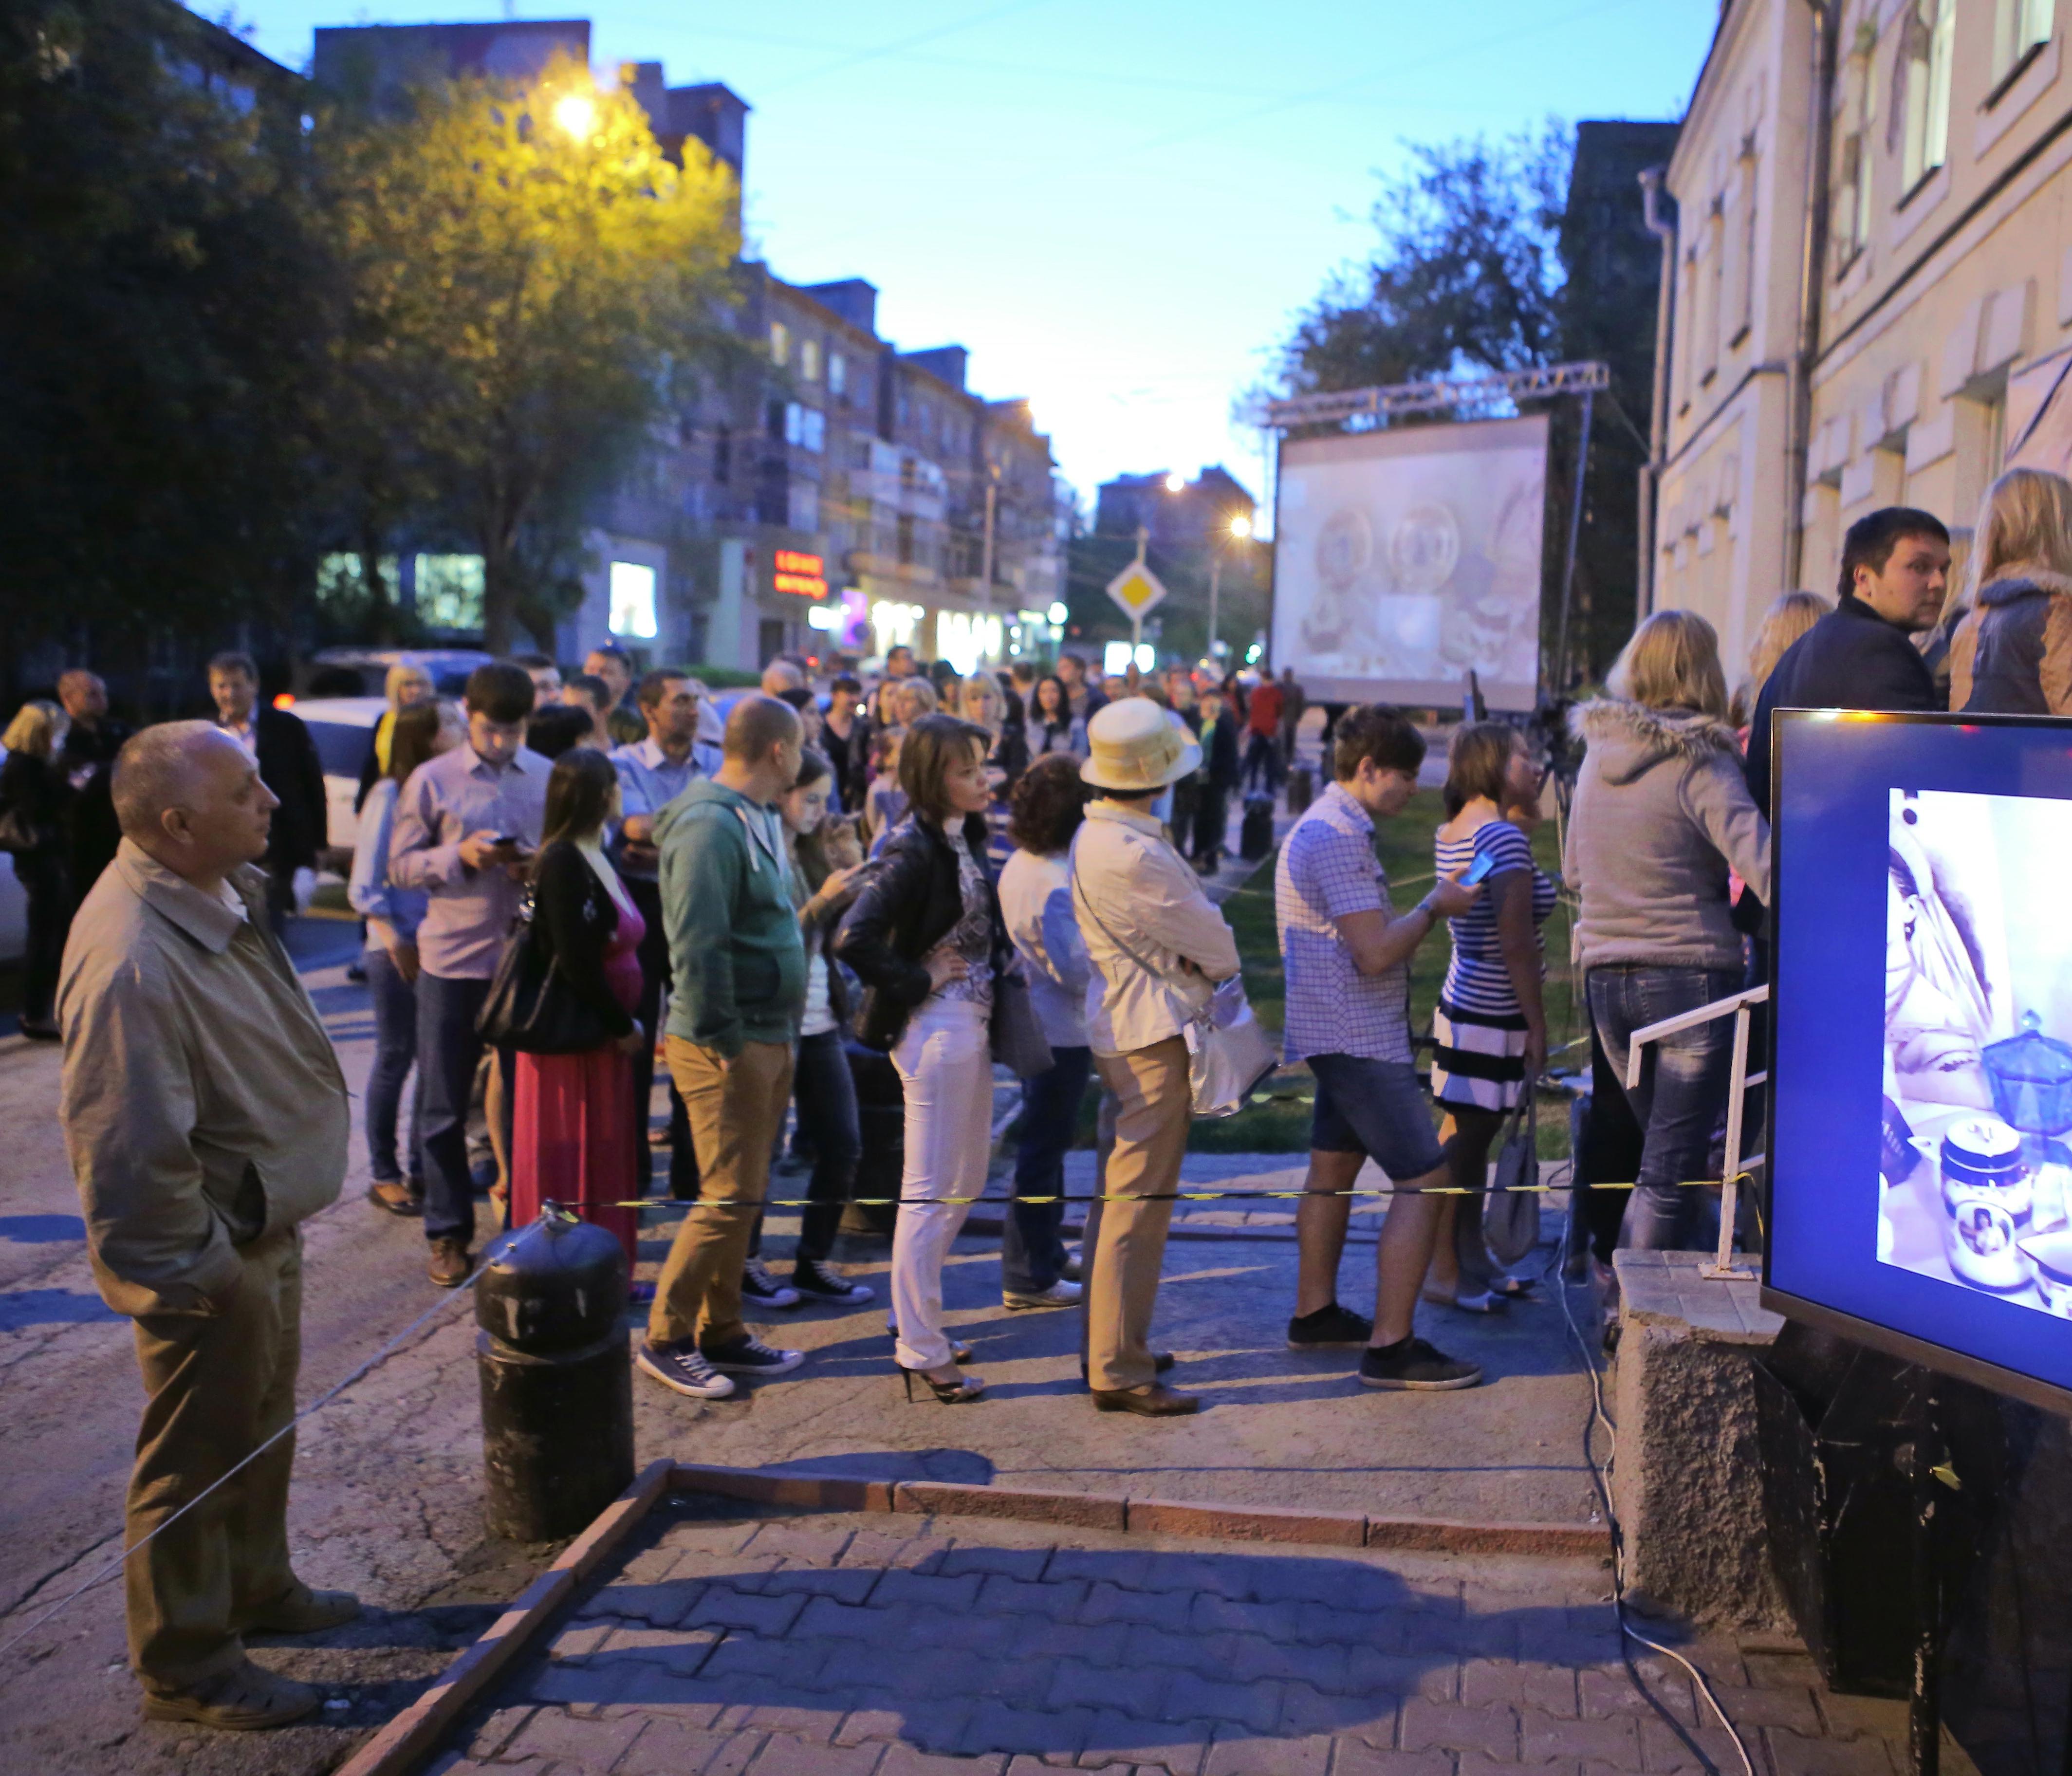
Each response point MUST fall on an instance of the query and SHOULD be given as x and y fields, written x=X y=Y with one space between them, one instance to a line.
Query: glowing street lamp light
x=1176 y=482
x=1240 y=527
x=576 y=112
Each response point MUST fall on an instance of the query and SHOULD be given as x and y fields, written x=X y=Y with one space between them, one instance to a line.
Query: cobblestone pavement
x=737 y=1642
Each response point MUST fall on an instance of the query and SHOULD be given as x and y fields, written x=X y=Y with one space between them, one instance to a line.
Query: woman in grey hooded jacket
x=2012 y=653
x=1661 y=815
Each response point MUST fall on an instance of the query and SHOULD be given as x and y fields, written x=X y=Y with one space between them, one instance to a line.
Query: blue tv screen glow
x=1921 y=1152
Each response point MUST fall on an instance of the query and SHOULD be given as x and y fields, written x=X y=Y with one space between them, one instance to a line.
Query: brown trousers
x=735 y=1113
x=216 y=1388
x=1125 y=1239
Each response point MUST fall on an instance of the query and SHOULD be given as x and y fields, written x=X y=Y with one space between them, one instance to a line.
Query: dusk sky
x=1119 y=210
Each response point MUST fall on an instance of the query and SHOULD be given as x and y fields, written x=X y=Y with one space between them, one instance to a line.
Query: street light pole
x=1216 y=589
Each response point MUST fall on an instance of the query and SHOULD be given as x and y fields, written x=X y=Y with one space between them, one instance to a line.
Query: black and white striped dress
x=1478 y=1031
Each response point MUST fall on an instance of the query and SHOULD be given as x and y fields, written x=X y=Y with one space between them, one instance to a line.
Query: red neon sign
x=802 y=574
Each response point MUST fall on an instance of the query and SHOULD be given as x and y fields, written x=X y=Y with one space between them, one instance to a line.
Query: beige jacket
x=1134 y=893
x=202 y=1104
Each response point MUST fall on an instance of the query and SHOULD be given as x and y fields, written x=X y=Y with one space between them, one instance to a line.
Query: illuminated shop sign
x=804 y=575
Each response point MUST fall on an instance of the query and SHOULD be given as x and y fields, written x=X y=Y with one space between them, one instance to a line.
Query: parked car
x=342 y=728
x=13 y=914
x=334 y=672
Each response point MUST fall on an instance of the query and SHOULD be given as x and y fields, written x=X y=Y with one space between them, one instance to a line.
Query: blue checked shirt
x=1328 y=869
x=648 y=783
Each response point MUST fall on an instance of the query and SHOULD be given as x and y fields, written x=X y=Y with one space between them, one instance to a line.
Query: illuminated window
x=813 y=429
x=805 y=506
x=1928 y=34
x=632 y=601
x=450 y=591
x=780 y=344
x=1116 y=658
x=809 y=360
x=837 y=374
x=2020 y=26
x=967 y=642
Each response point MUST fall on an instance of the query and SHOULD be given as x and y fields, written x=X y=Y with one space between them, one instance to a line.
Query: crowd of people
x=940 y=872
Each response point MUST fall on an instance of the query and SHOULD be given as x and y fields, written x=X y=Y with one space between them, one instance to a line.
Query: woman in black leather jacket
x=925 y=938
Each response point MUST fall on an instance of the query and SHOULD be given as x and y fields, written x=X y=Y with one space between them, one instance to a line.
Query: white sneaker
x=1060 y=1293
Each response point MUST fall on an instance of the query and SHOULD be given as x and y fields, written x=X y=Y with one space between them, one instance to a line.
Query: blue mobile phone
x=1485 y=861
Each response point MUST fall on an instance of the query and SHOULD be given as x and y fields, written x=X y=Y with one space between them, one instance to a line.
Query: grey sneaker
x=1060 y=1293
x=682 y=1369
x=759 y=1289
x=1414 y=1366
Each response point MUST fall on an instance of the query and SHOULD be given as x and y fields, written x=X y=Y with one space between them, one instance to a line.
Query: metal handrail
x=1737 y=1005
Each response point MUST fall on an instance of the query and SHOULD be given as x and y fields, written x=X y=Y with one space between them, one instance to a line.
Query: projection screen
x=1404 y=559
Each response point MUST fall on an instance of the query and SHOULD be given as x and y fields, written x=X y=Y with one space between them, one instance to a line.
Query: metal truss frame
x=1584 y=378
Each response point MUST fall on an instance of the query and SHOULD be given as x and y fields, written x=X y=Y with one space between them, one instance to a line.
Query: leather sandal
x=243 y=1700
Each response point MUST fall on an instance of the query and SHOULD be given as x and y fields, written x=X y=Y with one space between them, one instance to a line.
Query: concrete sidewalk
x=730 y=1640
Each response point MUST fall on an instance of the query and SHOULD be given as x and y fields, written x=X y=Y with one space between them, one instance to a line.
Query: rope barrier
x=316 y=1405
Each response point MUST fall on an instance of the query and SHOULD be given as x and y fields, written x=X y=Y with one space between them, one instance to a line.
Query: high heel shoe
x=950 y=1393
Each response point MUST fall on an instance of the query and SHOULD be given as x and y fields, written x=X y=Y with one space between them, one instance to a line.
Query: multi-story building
x=1866 y=312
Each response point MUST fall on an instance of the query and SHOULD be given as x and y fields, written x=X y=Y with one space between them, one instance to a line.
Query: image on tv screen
x=1976 y=1174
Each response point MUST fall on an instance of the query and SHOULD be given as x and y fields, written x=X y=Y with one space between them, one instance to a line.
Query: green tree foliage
x=525 y=280
x=155 y=342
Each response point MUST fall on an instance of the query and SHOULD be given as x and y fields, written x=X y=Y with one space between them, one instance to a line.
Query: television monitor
x=1920 y=1187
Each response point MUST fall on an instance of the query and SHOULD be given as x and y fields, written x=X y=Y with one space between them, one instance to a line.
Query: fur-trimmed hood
x=2023 y=580
x=1627 y=734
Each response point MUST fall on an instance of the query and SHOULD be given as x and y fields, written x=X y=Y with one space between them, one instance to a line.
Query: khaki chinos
x=216 y=1387
x=1125 y=1236
x=735 y=1114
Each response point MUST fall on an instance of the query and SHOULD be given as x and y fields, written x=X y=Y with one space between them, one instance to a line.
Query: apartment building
x=1886 y=319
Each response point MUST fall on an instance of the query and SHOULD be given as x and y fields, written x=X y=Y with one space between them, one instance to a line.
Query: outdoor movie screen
x=1405 y=558
x=1922 y=1088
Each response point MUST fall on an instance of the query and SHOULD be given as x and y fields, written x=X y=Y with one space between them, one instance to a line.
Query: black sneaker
x=1333 y=1327
x=1414 y=1366
x=681 y=1368
x=753 y=1356
x=759 y=1289
x=813 y=1279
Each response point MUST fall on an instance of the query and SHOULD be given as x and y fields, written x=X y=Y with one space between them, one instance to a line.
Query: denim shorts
x=1376 y=1108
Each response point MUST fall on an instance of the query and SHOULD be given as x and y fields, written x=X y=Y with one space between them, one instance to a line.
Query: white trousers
x=945 y=1062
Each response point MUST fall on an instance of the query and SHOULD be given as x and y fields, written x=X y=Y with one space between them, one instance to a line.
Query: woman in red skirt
x=572 y=1126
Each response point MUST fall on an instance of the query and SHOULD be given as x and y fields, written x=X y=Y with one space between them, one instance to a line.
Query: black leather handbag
x=530 y=1007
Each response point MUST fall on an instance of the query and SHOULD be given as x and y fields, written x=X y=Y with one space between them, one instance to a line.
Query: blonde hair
x=994 y=700
x=1672 y=662
x=402 y=674
x=2026 y=517
x=36 y=730
x=1790 y=615
x=919 y=693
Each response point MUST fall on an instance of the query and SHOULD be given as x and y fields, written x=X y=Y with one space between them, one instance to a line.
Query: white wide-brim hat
x=1135 y=746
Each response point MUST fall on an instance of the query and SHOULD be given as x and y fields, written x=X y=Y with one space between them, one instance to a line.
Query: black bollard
x=556 y=1378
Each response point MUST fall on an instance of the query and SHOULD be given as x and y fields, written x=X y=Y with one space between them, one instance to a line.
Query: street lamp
x=576 y=112
x=1176 y=482
x=1240 y=531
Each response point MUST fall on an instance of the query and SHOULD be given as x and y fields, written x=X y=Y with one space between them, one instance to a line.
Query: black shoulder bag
x=530 y=1007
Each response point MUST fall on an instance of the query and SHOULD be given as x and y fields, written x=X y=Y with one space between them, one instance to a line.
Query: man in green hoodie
x=740 y=988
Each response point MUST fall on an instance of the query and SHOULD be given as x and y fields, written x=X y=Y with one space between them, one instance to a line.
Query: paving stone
x=1844 y=1716
x=1353 y=1756
x=1614 y=1692
x=824 y=1619
x=917 y=1669
x=680 y=1650
x=1096 y=1642
x=733 y=1757
x=1213 y=1615
x=577 y=1641
x=1137 y=1645
x=784 y=1756
x=1664 y=1749
x=1613 y=1740
x=903 y=1760
x=1116 y=1742
x=1100 y=1566
x=498 y=1731
x=1792 y=1754
x=1781 y=1671
x=1549 y=1688
x=1453 y=1726
x=1306 y=1709
x=708 y=1539
x=1241 y=1754
x=843 y=1583
x=1011 y=1562
x=741 y=1656
x=1000 y=1595
x=668 y=1747
x=873 y=1548
x=1750 y=1707
x=723 y=1607
x=1370 y=1670
x=799 y=1544
x=595 y=1745
x=797 y=1720
x=1191 y=1697
x=1128 y=1689
x=879 y=1718
x=1229 y=1577
x=901 y=1589
x=650 y=1565
x=994 y=1726
x=664 y=1606
x=1168 y=1609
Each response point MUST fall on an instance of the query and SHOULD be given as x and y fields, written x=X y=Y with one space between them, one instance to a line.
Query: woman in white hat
x=1158 y=948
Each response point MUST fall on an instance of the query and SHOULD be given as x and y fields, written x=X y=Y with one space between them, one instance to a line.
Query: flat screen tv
x=1920 y=1176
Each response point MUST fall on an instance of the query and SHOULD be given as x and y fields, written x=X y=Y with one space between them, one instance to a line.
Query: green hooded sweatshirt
x=734 y=934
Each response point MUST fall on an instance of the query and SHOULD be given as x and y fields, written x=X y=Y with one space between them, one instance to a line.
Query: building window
x=903 y=547
x=1928 y=30
x=813 y=429
x=809 y=360
x=632 y=588
x=780 y=344
x=805 y=514
x=837 y=374
x=1745 y=243
x=2020 y=26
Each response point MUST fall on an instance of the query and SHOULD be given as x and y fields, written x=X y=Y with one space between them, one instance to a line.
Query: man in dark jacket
x=1861 y=655
x=288 y=767
x=87 y=759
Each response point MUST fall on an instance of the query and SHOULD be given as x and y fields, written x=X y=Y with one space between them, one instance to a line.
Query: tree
x=156 y=331
x=527 y=280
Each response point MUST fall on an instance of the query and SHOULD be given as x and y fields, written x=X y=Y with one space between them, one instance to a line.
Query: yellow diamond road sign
x=1136 y=589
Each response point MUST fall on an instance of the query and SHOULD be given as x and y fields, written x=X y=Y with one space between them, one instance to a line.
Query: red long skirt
x=572 y=1140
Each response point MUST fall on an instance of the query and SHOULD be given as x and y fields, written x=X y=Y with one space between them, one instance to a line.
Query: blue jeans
x=1032 y=1243
x=448 y=1051
x=824 y=1096
x=1682 y=1093
x=395 y=1049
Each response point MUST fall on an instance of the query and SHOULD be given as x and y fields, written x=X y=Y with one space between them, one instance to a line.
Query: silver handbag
x=1511 y=1211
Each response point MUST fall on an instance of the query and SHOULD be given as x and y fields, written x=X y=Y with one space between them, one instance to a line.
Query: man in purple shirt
x=466 y=825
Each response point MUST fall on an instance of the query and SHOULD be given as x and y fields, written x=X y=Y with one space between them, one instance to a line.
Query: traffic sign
x=1136 y=590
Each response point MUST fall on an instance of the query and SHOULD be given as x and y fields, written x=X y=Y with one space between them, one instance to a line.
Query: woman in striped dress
x=1489 y=1031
